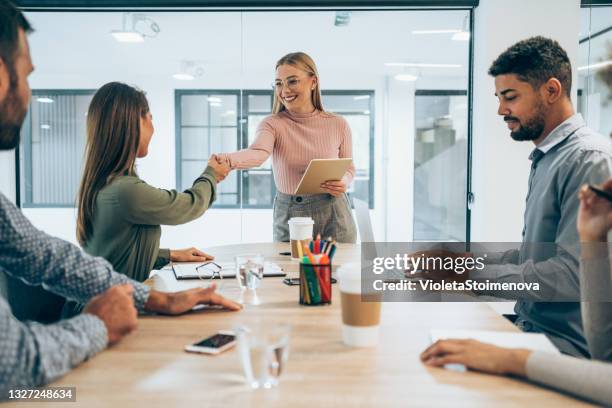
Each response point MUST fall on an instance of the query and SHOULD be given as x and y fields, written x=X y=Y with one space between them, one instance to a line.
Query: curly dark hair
x=535 y=60
x=11 y=20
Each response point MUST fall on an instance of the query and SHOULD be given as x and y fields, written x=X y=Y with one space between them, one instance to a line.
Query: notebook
x=183 y=271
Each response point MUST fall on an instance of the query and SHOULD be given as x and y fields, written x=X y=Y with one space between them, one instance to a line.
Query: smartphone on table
x=215 y=344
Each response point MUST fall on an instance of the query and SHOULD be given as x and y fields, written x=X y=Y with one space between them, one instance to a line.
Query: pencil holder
x=315 y=284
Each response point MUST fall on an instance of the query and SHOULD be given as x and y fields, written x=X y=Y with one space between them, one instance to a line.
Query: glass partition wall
x=595 y=68
x=399 y=77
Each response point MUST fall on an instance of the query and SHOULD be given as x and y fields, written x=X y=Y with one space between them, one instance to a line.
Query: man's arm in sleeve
x=558 y=276
x=40 y=259
x=32 y=354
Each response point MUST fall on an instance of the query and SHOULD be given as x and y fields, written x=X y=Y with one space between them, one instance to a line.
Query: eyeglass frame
x=279 y=84
x=216 y=273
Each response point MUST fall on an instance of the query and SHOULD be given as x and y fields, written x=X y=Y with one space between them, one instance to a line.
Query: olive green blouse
x=127 y=218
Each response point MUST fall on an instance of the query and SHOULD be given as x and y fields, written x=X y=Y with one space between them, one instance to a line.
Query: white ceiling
x=236 y=45
x=240 y=49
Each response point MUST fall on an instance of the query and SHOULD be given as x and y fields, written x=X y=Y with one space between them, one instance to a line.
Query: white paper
x=228 y=269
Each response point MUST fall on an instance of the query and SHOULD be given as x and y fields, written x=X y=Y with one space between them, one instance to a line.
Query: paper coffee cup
x=360 y=318
x=300 y=232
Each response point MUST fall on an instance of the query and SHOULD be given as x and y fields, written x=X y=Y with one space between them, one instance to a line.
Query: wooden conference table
x=150 y=369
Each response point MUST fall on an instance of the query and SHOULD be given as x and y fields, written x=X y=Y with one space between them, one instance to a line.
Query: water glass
x=264 y=351
x=249 y=270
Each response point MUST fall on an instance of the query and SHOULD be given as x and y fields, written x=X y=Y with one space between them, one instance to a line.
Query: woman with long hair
x=119 y=215
x=298 y=131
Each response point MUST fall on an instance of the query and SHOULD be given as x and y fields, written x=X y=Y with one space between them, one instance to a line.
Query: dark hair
x=535 y=60
x=11 y=20
x=113 y=136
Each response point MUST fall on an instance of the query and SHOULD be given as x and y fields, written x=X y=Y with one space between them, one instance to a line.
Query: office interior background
x=412 y=84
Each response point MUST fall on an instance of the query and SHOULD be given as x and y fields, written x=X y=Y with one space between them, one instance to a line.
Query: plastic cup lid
x=301 y=220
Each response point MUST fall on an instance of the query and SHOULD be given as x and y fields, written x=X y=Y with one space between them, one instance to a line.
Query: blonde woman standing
x=298 y=131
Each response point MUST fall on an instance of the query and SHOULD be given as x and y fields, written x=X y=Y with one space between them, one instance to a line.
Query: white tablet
x=320 y=171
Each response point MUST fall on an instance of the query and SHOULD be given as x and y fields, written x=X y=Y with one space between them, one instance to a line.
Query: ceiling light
x=406 y=77
x=44 y=99
x=189 y=70
x=421 y=65
x=343 y=18
x=214 y=99
x=183 y=77
x=127 y=36
x=135 y=28
x=215 y=104
x=421 y=32
x=45 y=127
x=596 y=66
x=361 y=97
x=461 y=36
x=464 y=34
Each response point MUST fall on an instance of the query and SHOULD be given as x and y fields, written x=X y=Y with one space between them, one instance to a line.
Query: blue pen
x=332 y=252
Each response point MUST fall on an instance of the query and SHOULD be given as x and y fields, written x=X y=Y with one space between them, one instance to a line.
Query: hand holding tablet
x=319 y=171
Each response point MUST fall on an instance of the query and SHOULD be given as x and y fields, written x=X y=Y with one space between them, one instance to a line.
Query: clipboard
x=187 y=270
x=320 y=171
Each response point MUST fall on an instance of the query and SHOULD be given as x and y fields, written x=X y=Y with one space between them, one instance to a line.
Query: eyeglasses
x=291 y=83
x=206 y=272
x=209 y=270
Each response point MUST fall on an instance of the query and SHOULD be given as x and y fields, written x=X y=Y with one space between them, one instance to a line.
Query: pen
x=600 y=192
x=304 y=280
x=324 y=278
x=332 y=252
x=331 y=245
x=312 y=278
x=328 y=243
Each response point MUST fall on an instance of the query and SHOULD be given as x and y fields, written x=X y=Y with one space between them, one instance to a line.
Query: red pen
x=325 y=278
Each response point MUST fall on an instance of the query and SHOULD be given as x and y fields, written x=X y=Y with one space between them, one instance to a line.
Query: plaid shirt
x=32 y=354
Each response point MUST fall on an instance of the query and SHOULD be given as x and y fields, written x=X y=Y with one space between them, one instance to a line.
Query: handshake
x=221 y=166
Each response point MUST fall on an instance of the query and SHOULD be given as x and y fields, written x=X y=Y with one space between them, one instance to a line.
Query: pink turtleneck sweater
x=293 y=140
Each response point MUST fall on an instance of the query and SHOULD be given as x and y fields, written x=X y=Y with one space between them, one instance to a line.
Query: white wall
x=501 y=165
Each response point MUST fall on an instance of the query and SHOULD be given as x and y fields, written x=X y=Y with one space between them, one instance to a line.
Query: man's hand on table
x=115 y=308
x=181 y=302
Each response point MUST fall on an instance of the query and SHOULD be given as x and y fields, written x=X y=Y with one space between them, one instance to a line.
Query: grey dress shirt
x=32 y=354
x=573 y=155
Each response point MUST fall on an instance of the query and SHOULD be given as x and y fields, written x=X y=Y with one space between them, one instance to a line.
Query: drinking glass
x=249 y=270
x=264 y=351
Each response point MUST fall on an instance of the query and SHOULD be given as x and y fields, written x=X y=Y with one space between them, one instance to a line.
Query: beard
x=12 y=115
x=532 y=128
